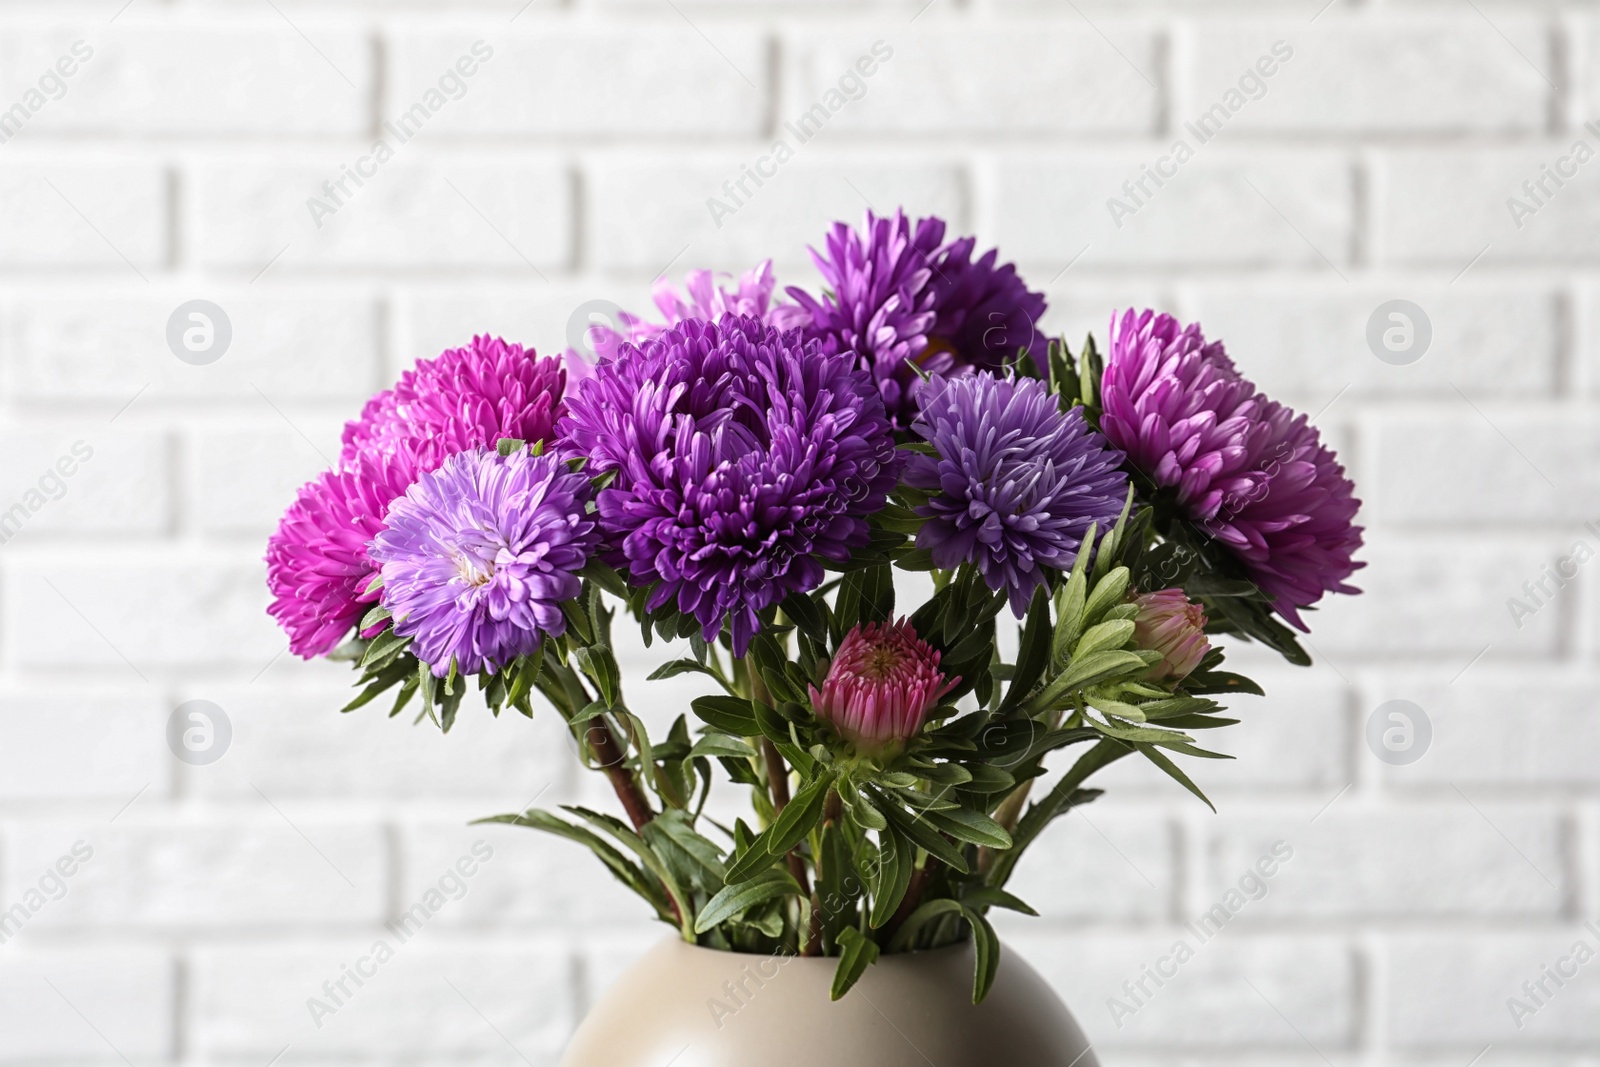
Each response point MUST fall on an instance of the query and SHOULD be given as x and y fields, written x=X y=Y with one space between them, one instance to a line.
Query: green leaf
x=896 y=857
x=671 y=830
x=1102 y=636
x=996 y=898
x=1220 y=682
x=1033 y=653
x=715 y=744
x=859 y=953
x=733 y=900
x=507 y=445
x=922 y=834
x=974 y=827
x=1177 y=775
x=730 y=714
x=1107 y=591
x=799 y=816
x=1097 y=667
x=925 y=913
x=627 y=872
x=986 y=946
x=679 y=666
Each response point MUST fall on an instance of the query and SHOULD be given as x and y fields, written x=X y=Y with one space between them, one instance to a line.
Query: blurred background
x=1388 y=210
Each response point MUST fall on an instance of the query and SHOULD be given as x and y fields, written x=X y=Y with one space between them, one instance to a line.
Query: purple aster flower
x=465 y=398
x=479 y=554
x=1015 y=482
x=742 y=454
x=705 y=299
x=1248 y=471
x=318 y=567
x=904 y=300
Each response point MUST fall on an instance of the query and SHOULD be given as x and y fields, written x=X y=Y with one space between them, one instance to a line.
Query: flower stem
x=1007 y=815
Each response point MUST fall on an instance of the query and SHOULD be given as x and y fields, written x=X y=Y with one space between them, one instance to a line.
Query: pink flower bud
x=1170 y=624
x=881 y=686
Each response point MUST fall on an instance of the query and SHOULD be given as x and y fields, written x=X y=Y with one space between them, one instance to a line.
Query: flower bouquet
x=828 y=504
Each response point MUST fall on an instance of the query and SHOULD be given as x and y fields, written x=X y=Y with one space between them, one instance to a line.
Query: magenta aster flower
x=905 y=301
x=1249 y=472
x=705 y=299
x=465 y=398
x=318 y=568
x=742 y=455
x=479 y=554
x=881 y=686
x=1171 y=624
x=1015 y=482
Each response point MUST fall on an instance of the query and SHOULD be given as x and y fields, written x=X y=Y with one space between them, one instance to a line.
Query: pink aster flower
x=1171 y=624
x=1245 y=469
x=318 y=569
x=464 y=398
x=881 y=686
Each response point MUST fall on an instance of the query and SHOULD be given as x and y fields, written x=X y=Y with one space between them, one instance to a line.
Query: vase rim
x=831 y=960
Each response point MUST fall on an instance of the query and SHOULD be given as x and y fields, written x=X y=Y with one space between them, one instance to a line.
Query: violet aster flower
x=464 y=398
x=741 y=456
x=318 y=568
x=881 y=686
x=704 y=299
x=1015 y=482
x=1249 y=472
x=479 y=554
x=905 y=302
x=1171 y=624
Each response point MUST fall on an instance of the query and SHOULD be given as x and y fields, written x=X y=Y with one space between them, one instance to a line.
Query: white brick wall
x=576 y=165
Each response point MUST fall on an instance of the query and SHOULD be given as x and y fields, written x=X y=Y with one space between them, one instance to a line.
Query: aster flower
x=704 y=299
x=318 y=568
x=1171 y=624
x=905 y=302
x=1015 y=481
x=1248 y=471
x=741 y=456
x=464 y=398
x=479 y=554
x=881 y=686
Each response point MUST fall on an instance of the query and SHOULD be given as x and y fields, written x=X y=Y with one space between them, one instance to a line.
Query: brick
x=101 y=745
x=1538 y=464
x=1486 y=732
x=1209 y=1004
x=1444 y=207
x=1309 y=343
x=1436 y=596
x=126 y=995
x=251 y=1000
x=194 y=79
x=286 y=348
x=97 y=215
x=1370 y=863
x=290 y=741
x=501 y=214
x=1449 y=990
x=279 y=460
x=83 y=477
x=1099 y=866
x=1378 y=75
x=1069 y=80
x=256 y=869
x=544 y=81
x=1050 y=207
x=210 y=612
x=652 y=214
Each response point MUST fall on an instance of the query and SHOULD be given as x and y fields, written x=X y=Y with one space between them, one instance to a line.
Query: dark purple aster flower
x=464 y=398
x=318 y=568
x=479 y=554
x=1247 y=470
x=904 y=301
x=742 y=454
x=1015 y=483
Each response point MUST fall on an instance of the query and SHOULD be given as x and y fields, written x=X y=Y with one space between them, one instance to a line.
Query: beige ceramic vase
x=685 y=1006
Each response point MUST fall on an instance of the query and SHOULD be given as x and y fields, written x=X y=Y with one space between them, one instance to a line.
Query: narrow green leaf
x=974 y=827
x=859 y=953
x=733 y=900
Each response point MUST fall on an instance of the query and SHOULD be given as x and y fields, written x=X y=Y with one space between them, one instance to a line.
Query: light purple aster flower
x=318 y=568
x=1015 y=482
x=464 y=398
x=906 y=301
x=479 y=554
x=1248 y=471
x=742 y=455
x=704 y=299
